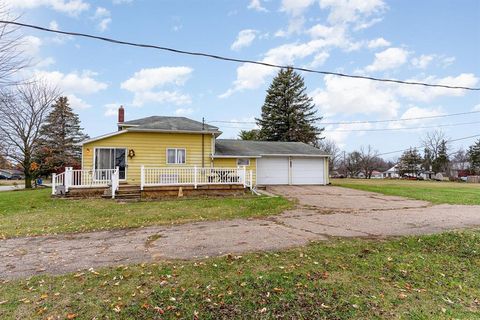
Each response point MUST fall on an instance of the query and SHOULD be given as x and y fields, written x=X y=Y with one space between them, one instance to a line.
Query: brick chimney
x=121 y=115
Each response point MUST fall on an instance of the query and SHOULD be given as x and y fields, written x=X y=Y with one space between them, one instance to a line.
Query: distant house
x=376 y=174
x=11 y=174
x=392 y=173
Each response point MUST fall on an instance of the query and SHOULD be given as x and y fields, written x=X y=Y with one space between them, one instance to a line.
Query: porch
x=154 y=182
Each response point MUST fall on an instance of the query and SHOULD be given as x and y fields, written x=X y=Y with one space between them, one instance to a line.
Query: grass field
x=435 y=192
x=427 y=277
x=24 y=213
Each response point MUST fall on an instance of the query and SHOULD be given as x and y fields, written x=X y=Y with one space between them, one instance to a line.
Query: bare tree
x=23 y=110
x=353 y=164
x=12 y=58
x=369 y=160
x=433 y=142
x=330 y=147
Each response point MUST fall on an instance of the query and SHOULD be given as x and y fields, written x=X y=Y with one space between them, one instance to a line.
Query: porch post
x=251 y=179
x=142 y=176
x=54 y=176
x=68 y=177
x=195 y=177
x=244 y=176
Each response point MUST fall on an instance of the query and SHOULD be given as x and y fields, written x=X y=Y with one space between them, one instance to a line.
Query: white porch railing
x=194 y=176
x=86 y=179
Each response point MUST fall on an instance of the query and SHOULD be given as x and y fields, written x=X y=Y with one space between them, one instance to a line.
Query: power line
x=451 y=140
x=365 y=121
x=409 y=128
x=382 y=129
x=218 y=57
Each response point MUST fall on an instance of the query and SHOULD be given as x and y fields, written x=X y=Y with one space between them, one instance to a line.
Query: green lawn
x=34 y=212
x=435 y=192
x=426 y=277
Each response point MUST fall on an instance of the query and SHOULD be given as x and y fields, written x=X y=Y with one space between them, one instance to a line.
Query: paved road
x=322 y=212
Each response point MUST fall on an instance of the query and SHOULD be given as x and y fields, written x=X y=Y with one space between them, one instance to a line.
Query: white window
x=176 y=156
x=243 y=162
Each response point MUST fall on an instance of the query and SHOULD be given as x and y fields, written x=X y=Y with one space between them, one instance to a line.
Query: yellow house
x=177 y=151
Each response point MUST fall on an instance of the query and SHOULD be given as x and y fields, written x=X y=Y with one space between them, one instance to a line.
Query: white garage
x=290 y=170
x=276 y=162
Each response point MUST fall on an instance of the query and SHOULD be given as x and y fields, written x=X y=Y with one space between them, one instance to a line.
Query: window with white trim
x=176 y=156
x=243 y=162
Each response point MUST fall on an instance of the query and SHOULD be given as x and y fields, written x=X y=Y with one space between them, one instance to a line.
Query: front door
x=110 y=158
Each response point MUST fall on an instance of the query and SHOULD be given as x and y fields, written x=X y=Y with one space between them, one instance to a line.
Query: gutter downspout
x=203 y=143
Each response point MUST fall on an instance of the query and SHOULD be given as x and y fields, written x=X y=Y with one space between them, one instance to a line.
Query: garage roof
x=231 y=147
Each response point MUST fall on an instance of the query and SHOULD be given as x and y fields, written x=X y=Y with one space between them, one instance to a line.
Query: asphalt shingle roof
x=231 y=147
x=168 y=124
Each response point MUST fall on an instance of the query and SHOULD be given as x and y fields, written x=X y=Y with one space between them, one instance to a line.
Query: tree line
x=39 y=132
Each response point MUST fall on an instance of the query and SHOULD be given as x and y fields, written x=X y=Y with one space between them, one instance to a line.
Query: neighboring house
x=376 y=174
x=177 y=151
x=391 y=173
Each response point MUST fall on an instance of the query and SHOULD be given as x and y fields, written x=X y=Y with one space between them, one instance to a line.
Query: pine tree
x=248 y=134
x=60 y=134
x=288 y=113
x=474 y=157
x=410 y=162
x=440 y=163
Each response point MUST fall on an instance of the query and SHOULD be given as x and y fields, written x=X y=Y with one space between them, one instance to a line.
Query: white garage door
x=307 y=171
x=272 y=170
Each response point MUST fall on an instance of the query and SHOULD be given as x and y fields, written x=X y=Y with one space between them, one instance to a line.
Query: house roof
x=231 y=147
x=170 y=124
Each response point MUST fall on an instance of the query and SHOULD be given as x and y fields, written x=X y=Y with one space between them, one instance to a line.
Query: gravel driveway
x=322 y=212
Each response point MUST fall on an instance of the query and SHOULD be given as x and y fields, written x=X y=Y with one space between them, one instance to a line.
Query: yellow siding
x=150 y=150
x=232 y=162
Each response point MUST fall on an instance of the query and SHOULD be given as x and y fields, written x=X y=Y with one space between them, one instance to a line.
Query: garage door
x=307 y=171
x=272 y=170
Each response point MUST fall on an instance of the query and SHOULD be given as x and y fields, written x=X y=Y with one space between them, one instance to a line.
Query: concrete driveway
x=322 y=212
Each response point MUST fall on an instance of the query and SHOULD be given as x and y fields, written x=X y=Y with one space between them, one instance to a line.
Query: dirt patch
x=322 y=212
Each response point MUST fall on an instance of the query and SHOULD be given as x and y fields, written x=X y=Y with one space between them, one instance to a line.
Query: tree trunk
x=28 y=181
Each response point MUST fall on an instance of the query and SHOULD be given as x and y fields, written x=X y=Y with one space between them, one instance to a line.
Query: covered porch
x=152 y=179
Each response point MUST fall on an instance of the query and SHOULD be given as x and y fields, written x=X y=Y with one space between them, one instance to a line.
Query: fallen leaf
x=71 y=315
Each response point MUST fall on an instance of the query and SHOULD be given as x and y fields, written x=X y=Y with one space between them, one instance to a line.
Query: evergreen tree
x=440 y=163
x=474 y=157
x=410 y=162
x=60 y=134
x=248 y=134
x=288 y=113
x=427 y=160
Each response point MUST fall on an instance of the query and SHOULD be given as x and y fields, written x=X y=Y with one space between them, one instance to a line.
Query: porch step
x=126 y=192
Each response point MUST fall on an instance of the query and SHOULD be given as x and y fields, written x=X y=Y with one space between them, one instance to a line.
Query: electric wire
x=238 y=60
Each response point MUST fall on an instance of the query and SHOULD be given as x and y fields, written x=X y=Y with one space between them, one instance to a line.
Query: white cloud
x=250 y=76
x=183 y=111
x=77 y=103
x=43 y=63
x=53 y=25
x=295 y=7
x=163 y=96
x=423 y=61
x=111 y=109
x=415 y=112
x=421 y=93
x=446 y=61
x=103 y=17
x=30 y=45
x=388 y=59
x=244 y=39
x=476 y=108
x=320 y=59
x=355 y=96
x=377 y=43
x=71 y=7
x=339 y=135
x=144 y=83
x=342 y=11
x=73 y=83
x=147 y=79
x=256 y=5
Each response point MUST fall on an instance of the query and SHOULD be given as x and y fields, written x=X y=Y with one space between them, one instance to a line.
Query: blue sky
x=433 y=41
